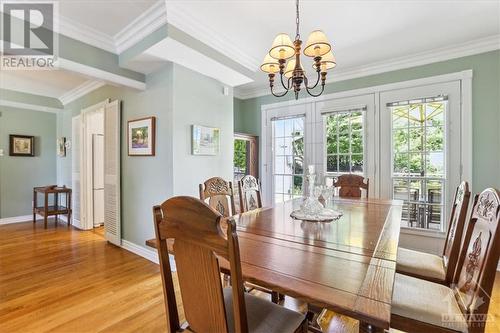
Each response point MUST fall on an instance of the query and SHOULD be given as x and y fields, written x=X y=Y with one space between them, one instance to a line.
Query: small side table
x=56 y=208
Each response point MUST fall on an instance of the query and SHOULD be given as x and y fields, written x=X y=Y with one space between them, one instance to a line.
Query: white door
x=346 y=137
x=76 y=158
x=112 y=221
x=98 y=178
x=420 y=151
x=284 y=151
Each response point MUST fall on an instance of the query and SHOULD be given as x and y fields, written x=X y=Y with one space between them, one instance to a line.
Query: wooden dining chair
x=195 y=232
x=441 y=268
x=424 y=306
x=249 y=191
x=350 y=185
x=219 y=195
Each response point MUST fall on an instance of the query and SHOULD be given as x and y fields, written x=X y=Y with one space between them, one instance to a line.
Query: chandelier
x=283 y=48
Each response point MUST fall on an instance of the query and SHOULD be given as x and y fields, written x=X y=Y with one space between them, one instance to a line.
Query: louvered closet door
x=112 y=222
x=76 y=130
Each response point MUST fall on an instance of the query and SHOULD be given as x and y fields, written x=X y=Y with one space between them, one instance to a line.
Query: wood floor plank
x=64 y=280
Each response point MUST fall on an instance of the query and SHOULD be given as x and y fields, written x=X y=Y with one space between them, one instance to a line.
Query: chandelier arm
x=287 y=87
x=306 y=81
x=279 y=95
x=316 y=95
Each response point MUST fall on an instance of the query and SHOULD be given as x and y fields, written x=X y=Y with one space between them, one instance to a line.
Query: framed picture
x=141 y=137
x=61 y=147
x=21 y=145
x=205 y=140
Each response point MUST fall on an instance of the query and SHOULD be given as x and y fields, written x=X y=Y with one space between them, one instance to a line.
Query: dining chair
x=219 y=195
x=249 y=192
x=431 y=267
x=250 y=199
x=196 y=235
x=351 y=185
x=424 y=306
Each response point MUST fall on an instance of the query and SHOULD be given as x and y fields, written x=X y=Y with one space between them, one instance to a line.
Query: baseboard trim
x=18 y=219
x=146 y=253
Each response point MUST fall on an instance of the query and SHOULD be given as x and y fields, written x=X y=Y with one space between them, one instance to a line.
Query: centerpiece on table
x=311 y=208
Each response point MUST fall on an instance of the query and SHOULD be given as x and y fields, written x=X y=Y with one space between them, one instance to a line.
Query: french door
x=420 y=151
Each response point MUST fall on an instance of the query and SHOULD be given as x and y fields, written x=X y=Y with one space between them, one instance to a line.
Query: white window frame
x=463 y=77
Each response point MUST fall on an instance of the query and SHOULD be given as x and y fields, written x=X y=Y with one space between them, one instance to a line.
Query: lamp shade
x=327 y=62
x=282 y=47
x=290 y=66
x=270 y=65
x=317 y=44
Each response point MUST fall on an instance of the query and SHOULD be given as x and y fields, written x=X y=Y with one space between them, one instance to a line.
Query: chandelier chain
x=297 y=36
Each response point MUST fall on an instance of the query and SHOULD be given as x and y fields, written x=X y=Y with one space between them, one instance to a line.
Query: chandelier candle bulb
x=283 y=48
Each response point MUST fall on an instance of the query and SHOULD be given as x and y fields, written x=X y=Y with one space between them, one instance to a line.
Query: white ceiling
x=362 y=32
x=106 y=16
x=51 y=83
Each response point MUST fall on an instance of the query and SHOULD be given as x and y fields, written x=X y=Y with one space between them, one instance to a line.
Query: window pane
x=435 y=139
x=279 y=146
x=287 y=184
x=401 y=163
x=435 y=114
x=357 y=163
x=435 y=164
x=279 y=128
x=278 y=184
x=415 y=114
x=434 y=191
x=344 y=163
x=331 y=164
x=400 y=189
x=279 y=164
x=344 y=143
x=298 y=126
x=298 y=146
x=297 y=185
x=287 y=146
x=400 y=117
x=356 y=121
x=400 y=140
x=288 y=165
x=298 y=168
x=331 y=144
x=289 y=127
x=357 y=142
x=416 y=165
x=416 y=138
x=416 y=187
x=434 y=216
x=343 y=122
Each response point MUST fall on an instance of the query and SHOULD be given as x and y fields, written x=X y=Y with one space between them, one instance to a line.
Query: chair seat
x=420 y=264
x=263 y=316
x=427 y=302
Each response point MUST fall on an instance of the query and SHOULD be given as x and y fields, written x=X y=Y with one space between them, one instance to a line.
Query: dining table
x=347 y=265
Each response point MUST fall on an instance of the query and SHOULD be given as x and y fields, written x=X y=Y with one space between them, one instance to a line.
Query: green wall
x=145 y=181
x=18 y=175
x=485 y=107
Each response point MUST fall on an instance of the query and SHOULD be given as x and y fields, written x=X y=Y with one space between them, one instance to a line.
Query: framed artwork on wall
x=141 y=137
x=21 y=145
x=205 y=140
x=61 y=147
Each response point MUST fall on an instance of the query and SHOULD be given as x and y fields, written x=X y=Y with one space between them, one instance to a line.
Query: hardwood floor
x=63 y=280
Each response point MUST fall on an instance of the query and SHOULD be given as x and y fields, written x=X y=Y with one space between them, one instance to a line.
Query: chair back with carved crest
x=249 y=190
x=350 y=185
x=219 y=195
x=453 y=242
x=475 y=275
x=195 y=231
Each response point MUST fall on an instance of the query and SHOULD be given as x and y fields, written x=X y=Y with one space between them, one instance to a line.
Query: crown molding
x=186 y=22
x=27 y=106
x=477 y=46
x=81 y=90
x=141 y=26
x=86 y=34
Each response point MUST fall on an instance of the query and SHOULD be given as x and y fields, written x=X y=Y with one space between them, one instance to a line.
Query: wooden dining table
x=347 y=265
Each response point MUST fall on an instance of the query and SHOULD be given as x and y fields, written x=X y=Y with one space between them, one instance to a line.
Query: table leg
x=68 y=204
x=34 y=206
x=46 y=209
x=56 y=204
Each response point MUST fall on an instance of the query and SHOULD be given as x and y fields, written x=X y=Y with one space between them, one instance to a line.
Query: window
x=240 y=159
x=288 y=158
x=418 y=160
x=344 y=142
